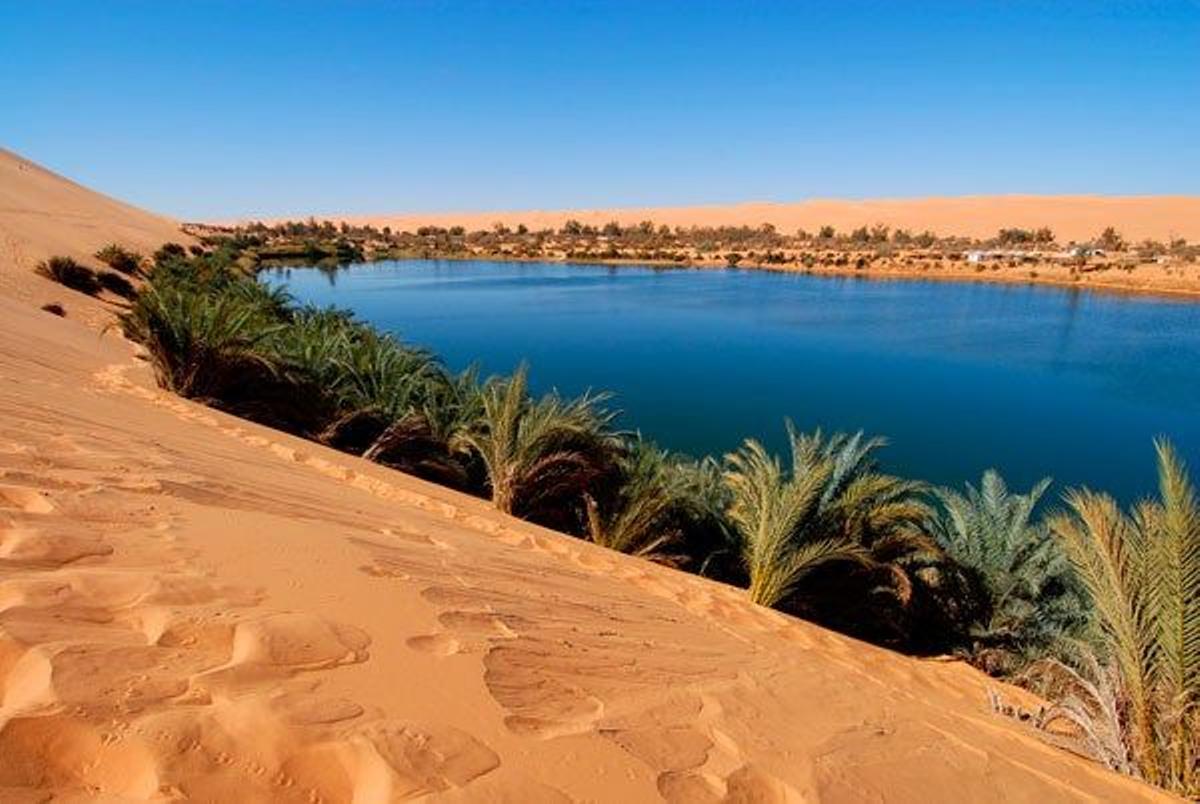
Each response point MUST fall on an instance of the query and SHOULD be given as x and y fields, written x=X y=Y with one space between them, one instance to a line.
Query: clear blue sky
x=202 y=109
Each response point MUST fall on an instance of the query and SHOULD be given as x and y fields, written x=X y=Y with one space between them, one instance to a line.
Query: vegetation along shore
x=1106 y=261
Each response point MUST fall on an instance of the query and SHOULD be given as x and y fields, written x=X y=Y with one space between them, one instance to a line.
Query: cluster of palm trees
x=1101 y=605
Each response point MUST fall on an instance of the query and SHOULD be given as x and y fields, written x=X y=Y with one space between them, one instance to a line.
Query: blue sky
x=202 y=109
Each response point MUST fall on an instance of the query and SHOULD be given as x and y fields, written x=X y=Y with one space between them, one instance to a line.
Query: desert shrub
x=116 y=284
x=1015 y=237
x=1110 y=240
x=120 y=259
x=169 y=252
x=65 y=271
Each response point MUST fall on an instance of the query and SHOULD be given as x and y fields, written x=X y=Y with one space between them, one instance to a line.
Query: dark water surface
x=959 y=376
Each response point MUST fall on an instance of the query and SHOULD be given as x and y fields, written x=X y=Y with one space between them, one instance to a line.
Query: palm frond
x=1142 y=573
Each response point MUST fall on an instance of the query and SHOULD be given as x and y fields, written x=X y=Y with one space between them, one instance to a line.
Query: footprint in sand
x=303 y=709
x=477 y=623
x=437 y=644
x=26 y=500
x=32 y=547
x=429 y=759
x=383 y=571
x=288 y=454
x=298 y=641
x=594 y=560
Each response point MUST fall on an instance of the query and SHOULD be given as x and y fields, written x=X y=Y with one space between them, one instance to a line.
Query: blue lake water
x=960 y=377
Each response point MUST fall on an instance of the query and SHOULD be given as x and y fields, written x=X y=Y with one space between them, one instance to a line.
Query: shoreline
x=990 y=276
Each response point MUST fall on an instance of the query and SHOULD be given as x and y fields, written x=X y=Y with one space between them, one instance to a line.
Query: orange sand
x=1070 y=217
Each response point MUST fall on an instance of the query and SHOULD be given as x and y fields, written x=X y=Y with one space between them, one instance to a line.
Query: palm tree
x=884 y=515
x=376 y=372
x=365 y=382
x=314 y=343
x=198 y=343
x=421 y=441
x=658 y=496
x=1142 y=573
x=833 y=506
x=393 y=404
x=537 y=451
x=770 y=510
x=1023 y=596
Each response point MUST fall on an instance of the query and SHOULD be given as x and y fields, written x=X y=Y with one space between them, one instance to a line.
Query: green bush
x=116 y=284
x=120 y=259
x=65 y=271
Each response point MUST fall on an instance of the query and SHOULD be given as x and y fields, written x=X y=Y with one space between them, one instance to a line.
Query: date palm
x=376 y=372
x=1142 y=573
x=658 y=496
x=832 y=505
x=883 y=515
x=1024 y=596
x=372 y=387
x=537 y=451
x=199 y=343
x=421 y=440
x=771 y=510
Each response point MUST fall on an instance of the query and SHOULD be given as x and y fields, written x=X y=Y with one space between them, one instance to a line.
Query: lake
x=960 y=377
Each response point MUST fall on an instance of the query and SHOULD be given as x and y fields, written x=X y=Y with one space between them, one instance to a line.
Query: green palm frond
x=1025 y=595
x=832 y=504
x=1142 y=573
x=536 y=450
x=198 y=342
x=654 y=497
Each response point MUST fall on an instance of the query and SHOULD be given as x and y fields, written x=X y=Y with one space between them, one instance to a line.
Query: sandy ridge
x=43 y=214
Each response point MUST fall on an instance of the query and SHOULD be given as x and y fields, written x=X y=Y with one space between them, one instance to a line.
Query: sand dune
x=43 y=214
x=196 y=607
x=1071 y=217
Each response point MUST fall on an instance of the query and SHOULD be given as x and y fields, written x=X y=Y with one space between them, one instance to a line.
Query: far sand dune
x=1071 y=217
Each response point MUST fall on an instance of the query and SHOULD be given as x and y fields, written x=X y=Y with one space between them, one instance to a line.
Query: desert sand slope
x=43 y=214
x=1071 y=217
x=192 y=606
